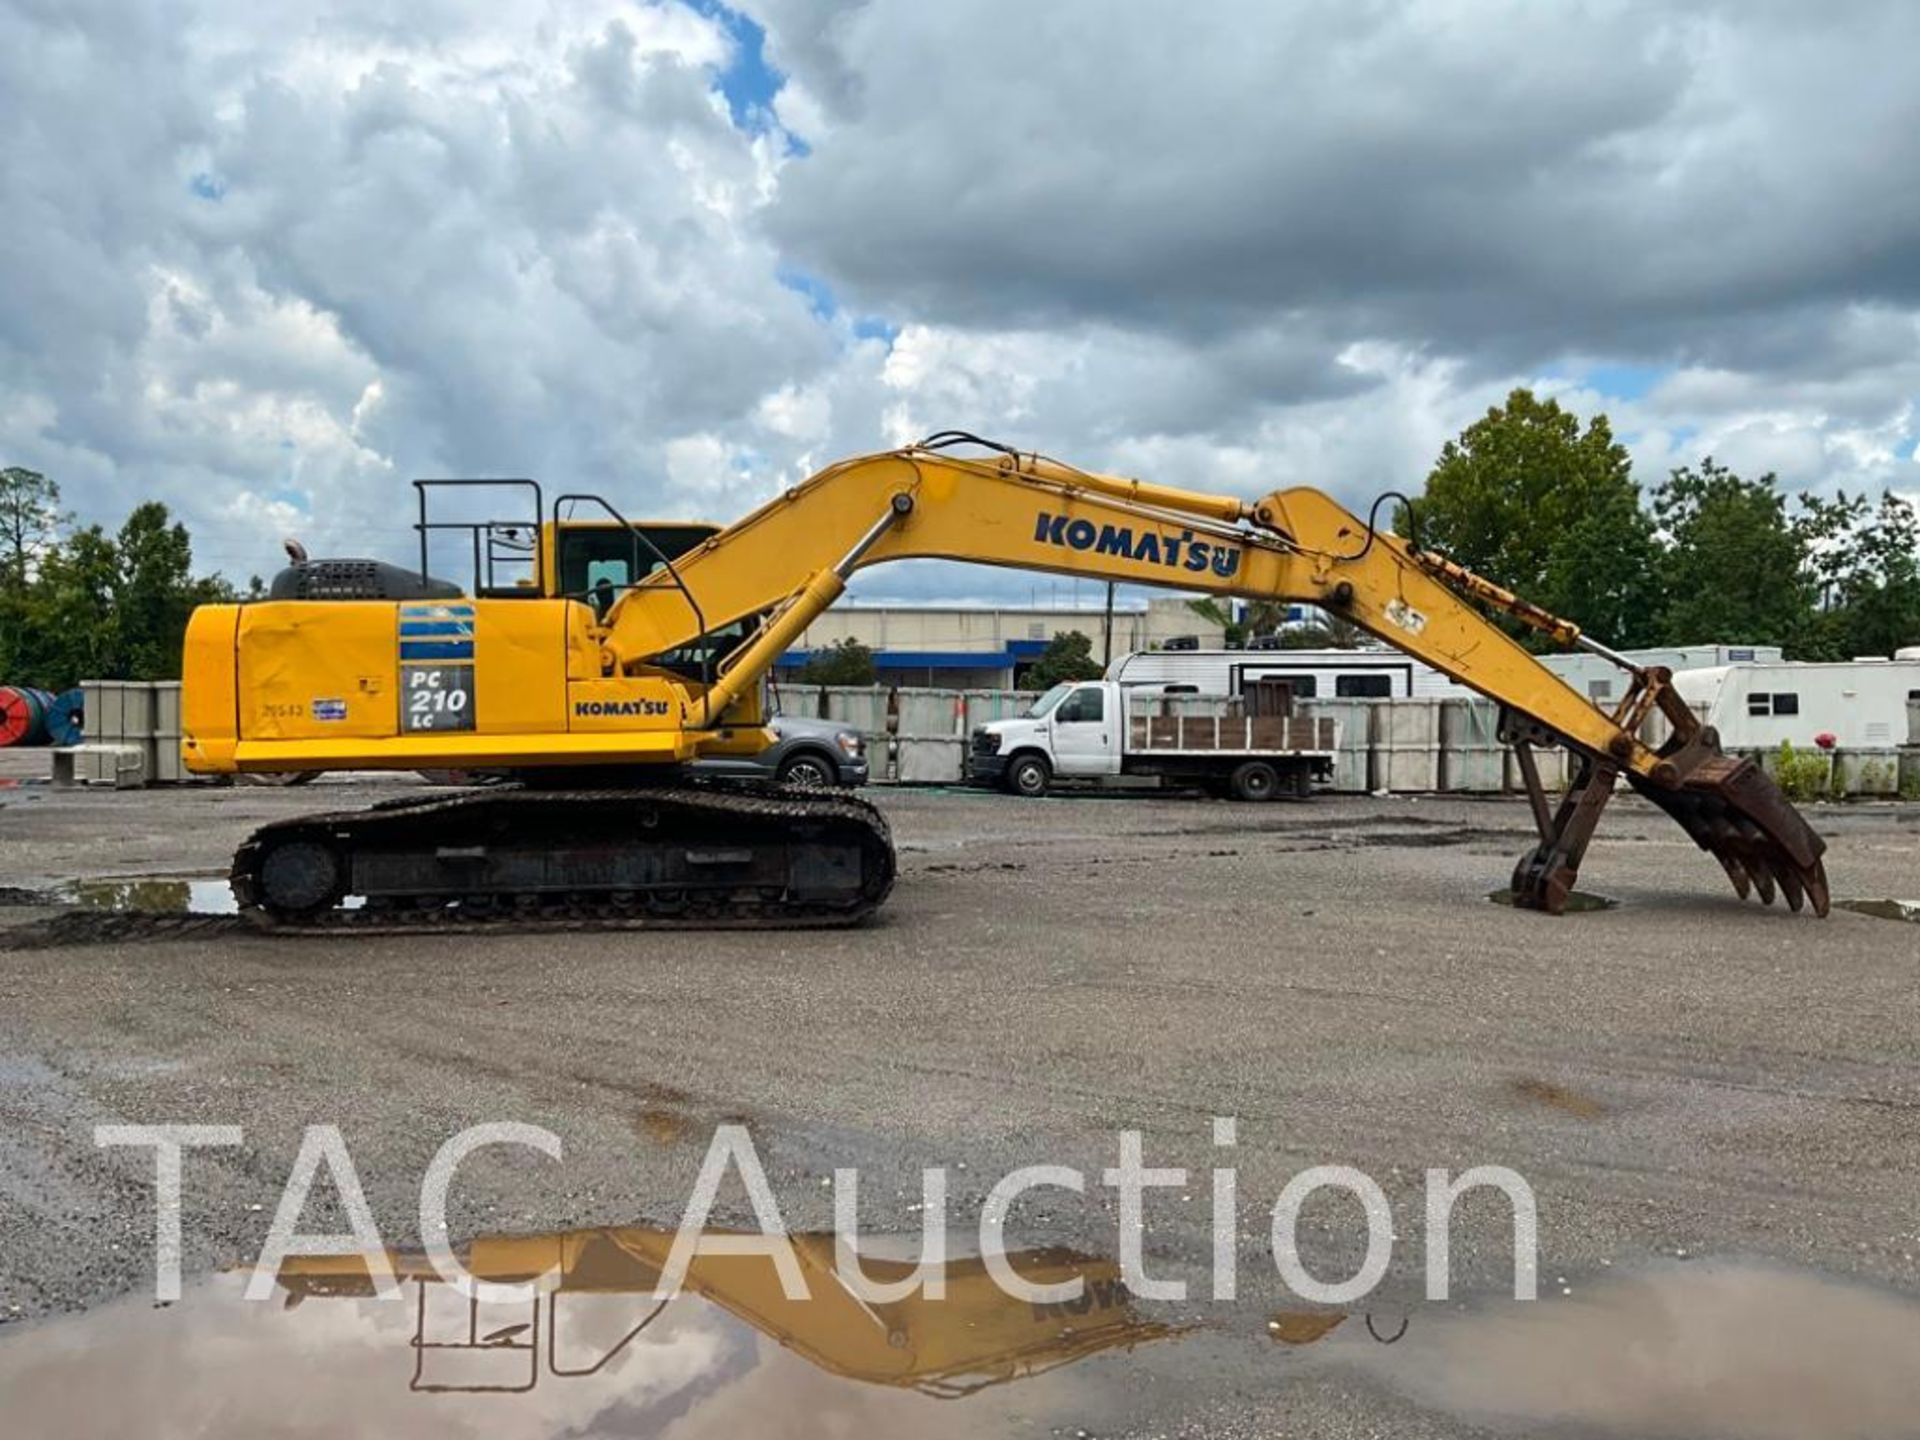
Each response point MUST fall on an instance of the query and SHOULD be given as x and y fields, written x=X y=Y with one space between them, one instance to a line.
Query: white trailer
x=1861 y=703
x=1096 y=730
x=1309 y=674
x=1603 y=682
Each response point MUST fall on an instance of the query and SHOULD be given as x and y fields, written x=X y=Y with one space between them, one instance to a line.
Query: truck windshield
x=1046 y=702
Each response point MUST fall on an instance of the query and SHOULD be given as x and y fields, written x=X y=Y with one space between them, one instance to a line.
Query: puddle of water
x=1746 y=1351
x=1883 y=909
x=1743 y=1351
x=160 y=895
x=731 y=1356
x=153 y=895
x=1577 y=900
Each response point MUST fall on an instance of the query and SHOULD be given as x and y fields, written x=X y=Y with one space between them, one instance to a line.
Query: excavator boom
x=601 y=693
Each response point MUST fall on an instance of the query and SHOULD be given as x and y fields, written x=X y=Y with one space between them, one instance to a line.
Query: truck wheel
x=1255 y=780
x=809 y=770
x=1029 y=775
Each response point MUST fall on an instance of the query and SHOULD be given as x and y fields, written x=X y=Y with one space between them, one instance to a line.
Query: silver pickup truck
x=808 y=752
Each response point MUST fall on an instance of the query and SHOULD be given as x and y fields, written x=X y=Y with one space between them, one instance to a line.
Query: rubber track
x=750 y=804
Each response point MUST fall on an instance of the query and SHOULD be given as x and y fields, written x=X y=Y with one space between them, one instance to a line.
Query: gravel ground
x=1681 y=1076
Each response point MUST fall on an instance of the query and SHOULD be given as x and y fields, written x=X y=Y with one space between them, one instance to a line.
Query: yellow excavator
x=592 y=658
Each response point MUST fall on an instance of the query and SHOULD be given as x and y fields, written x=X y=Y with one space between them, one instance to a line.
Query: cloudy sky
x=268 y=262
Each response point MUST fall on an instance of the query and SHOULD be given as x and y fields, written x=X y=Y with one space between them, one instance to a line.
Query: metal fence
x=918 y=736
x=1419 y=746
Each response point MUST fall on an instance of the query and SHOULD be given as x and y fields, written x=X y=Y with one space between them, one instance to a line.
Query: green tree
x=1864 y=564
x=845 y=662
x=91 y=604
x=74 y=620
x=30 y=521
x=1534 y=502
x=1732 y=568
x=1068 y=656
x=155 y=592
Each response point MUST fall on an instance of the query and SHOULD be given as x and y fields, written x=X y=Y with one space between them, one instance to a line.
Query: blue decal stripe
x=460 y=628
x=436 y=650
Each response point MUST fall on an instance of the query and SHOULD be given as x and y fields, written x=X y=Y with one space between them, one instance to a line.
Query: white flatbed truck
x=1099 y=730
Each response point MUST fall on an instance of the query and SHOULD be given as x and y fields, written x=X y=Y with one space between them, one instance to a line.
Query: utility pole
x=1109 y=647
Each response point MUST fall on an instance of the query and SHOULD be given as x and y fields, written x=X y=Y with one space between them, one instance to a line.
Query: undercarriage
x=690 y=856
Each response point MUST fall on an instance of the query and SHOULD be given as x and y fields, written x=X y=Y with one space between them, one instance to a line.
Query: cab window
x=590 y=553
x=1043 y=707
x=1082 y=705
x=610 y=572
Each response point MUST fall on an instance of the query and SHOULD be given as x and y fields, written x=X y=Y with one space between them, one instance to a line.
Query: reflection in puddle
x=597 y=1353
x=1745 y=1351
x=973 y=1336
x=160 y=895
x=1577 y=900
x=1303 y=1327
x=152 y=895
x=1749 y=1352
x=1883 y=909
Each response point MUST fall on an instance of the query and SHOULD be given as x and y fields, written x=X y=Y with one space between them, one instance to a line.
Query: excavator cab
x=591 y=557
x=581 y=548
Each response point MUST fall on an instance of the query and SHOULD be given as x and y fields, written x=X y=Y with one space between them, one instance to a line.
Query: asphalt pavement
x=1682 y=1079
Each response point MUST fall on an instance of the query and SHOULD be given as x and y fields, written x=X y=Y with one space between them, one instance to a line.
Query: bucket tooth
x=1791 y=887
x=1736 y=872
x=1816 y=881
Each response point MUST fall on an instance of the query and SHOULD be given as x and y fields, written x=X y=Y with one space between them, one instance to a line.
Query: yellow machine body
x=495 y=681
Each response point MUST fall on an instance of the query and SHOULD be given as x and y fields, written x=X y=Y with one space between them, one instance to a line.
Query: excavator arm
x=944 y=498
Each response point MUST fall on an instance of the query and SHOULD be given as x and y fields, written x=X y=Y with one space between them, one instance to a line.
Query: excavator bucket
x=1735 y=812
x=1728 y=804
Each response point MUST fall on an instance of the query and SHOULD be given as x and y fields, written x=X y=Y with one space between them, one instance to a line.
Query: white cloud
x=266 y=263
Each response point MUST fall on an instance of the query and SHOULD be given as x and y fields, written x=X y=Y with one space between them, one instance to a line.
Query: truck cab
x=1072 y=732
x=1096 y=730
